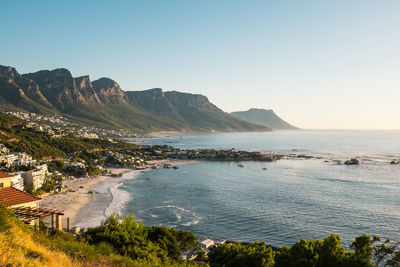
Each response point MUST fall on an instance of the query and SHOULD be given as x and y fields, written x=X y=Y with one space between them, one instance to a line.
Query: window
x=1 y=184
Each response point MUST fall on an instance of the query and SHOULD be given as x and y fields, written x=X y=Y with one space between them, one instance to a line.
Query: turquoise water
x=290 y=200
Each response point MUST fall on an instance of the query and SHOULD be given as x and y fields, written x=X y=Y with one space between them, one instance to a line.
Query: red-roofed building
x=15 y=198
x=12 y=197
x=25 y=205
x=4 y=175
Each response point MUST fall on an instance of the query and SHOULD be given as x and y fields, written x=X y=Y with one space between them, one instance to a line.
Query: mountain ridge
x=102 y=102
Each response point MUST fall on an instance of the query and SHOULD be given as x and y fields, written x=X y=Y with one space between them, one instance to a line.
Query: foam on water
x=109 y=198
x=175 y=214
x=118 y=199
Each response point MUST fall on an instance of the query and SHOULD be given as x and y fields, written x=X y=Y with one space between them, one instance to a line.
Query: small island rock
x=352 y=162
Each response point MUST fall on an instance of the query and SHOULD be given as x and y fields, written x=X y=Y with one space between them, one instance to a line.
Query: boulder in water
x=352 y=162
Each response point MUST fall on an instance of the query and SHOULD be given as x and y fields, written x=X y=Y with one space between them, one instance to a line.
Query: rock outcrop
x=109 y=92
x=352 y=162
x=85 y=87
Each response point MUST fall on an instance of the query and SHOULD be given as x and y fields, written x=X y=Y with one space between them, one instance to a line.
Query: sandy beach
x=77 y=194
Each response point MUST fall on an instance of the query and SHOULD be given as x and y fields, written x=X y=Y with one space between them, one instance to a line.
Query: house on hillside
x=14 y=198
x=206 y=244
x=8 y=159
x=25 y=205
x=204 y=247
x=22 y=159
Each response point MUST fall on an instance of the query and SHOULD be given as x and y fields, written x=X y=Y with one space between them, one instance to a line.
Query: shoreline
x=76 y=197
x=80 y=194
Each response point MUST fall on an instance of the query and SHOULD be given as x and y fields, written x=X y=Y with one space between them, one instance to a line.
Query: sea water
x=291 y=199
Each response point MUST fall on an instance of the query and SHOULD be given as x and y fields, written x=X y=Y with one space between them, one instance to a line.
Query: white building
x=17 y=181
x=35 y=178
x=206 y=244
x=74 y=164
x=8 y=159
x=89 y=135
x=23 y=159
x=4 y=149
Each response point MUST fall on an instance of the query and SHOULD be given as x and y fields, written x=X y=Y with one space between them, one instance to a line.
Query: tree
x=363 y=250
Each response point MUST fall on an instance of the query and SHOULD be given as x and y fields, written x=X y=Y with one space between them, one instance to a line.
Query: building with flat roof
x=35 y=178
x=206 y=244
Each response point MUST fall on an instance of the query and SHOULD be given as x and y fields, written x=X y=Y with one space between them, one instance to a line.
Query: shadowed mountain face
x=102 y=102
x=264 y=117
x=58 y=86
x=189 y=109
x=21 y=92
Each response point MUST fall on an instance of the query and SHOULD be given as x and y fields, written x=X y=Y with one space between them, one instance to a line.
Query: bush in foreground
x=366 y=251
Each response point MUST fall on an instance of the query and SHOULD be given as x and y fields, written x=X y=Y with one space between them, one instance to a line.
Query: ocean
x=290 y=200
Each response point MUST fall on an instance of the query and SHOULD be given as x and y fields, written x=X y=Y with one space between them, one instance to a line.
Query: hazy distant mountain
x=103 y=102
x=264 y=117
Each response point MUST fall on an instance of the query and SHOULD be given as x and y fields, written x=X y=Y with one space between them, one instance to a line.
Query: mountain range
x=264 y=117
x=102 y=102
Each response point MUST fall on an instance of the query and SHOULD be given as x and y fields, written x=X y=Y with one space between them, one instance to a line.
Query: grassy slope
x=19 y=247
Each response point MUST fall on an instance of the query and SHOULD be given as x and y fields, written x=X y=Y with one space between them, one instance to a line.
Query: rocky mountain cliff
x=264 y=117
x=102 y=102
x=185 y=108
x=58 y=86
x=109 y=92
x=16 y=90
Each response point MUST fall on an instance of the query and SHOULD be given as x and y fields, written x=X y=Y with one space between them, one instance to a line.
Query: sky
x=317 y=64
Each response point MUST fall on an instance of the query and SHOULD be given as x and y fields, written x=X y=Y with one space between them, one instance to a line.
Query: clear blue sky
x=318 y=64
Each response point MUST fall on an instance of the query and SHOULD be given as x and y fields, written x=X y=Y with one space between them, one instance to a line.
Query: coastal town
x=58 y=126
